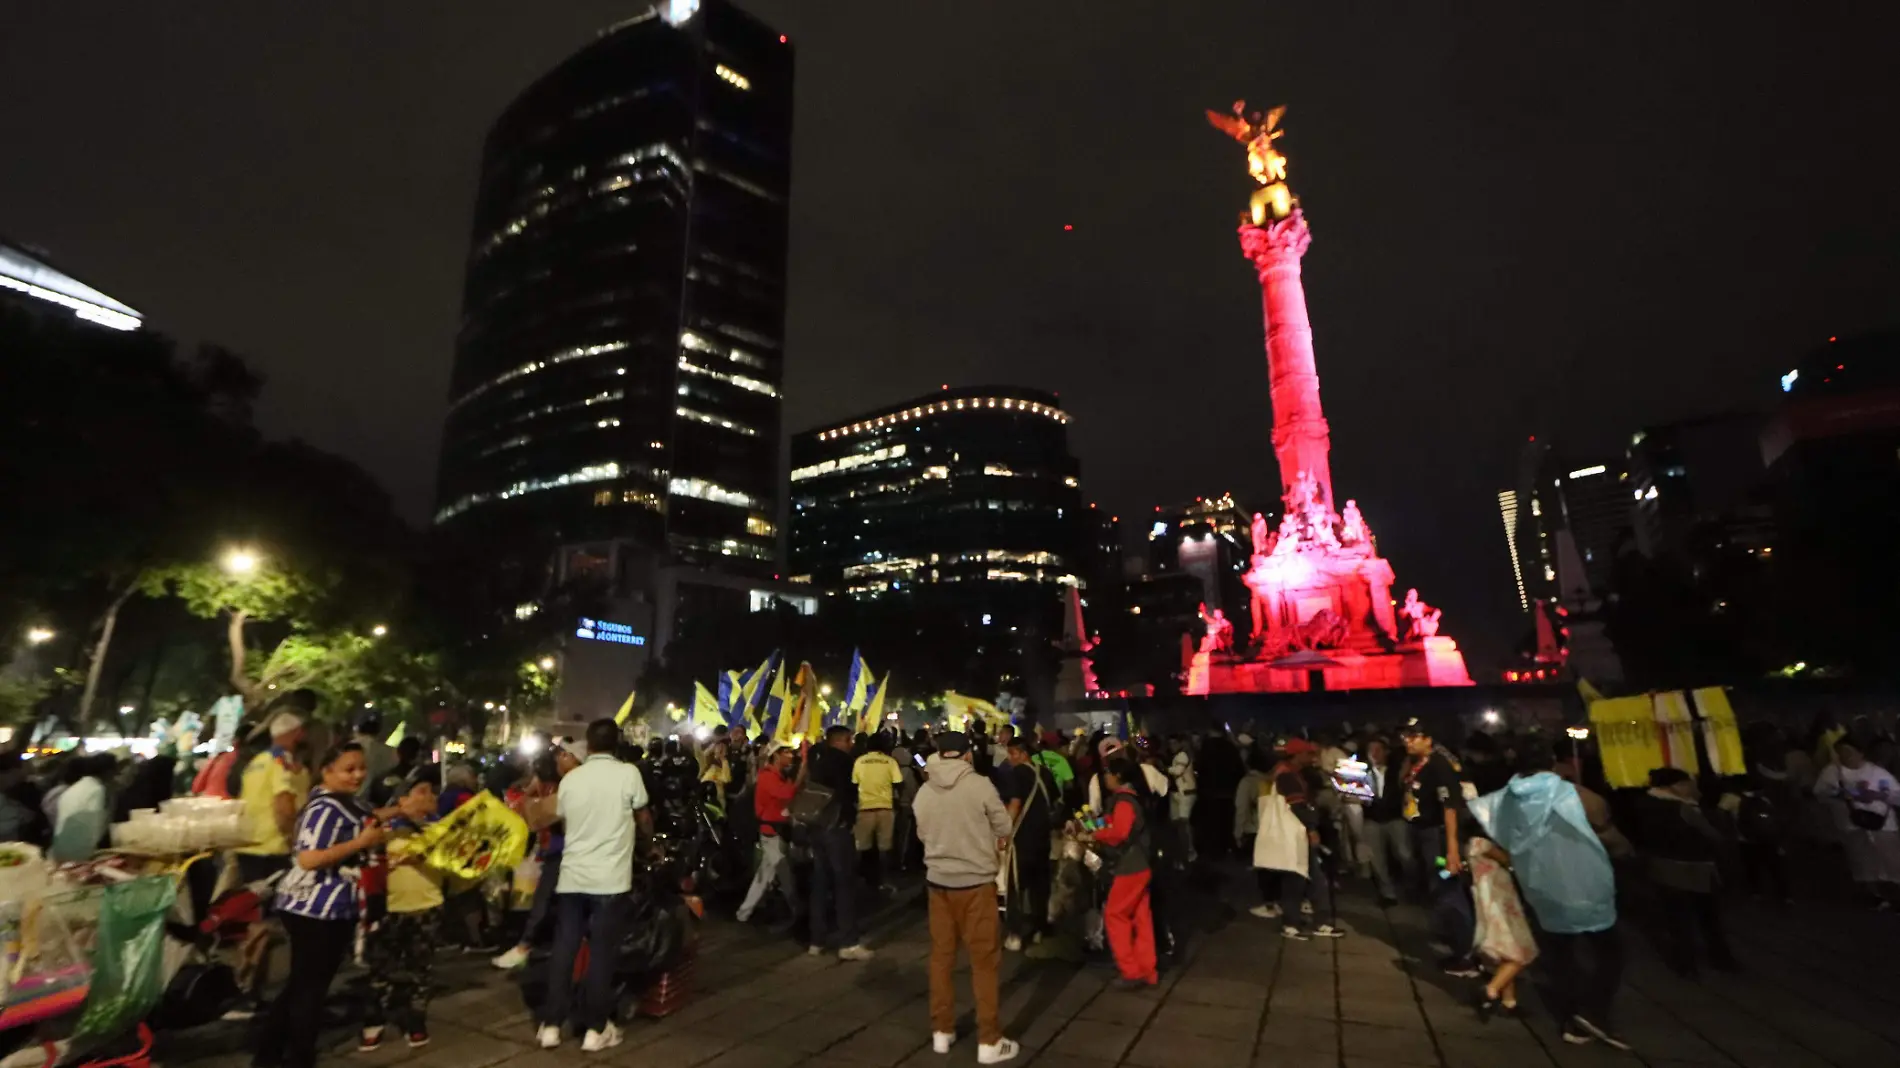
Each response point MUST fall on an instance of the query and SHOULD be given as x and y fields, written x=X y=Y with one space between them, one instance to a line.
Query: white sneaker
x=1327 y=930
x=857 y=952
x=606 y=1038
x=514 y=958
x=814 y=951
x=1265 y=912
x=1013 y=944
x=548 y=1036
x=1004 y=1049
x=940 y=1041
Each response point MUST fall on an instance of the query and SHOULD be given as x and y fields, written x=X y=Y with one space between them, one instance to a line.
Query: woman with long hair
x=317 y=902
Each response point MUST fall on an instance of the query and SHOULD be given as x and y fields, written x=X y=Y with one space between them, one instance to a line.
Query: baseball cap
x=951 y=742
x=1413 y=728
x=283 y=723
x=1296 y=746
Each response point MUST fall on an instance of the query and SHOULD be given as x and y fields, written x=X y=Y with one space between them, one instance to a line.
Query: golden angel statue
x=1258 y=132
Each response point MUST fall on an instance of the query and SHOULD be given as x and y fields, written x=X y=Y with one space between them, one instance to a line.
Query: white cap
x=285 y=722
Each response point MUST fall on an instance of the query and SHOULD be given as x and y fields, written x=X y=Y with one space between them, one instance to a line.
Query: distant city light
x=1788 y=380
x=547 y=663
x=1586 y=472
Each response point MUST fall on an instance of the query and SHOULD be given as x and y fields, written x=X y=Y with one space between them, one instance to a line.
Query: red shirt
x=769 y=799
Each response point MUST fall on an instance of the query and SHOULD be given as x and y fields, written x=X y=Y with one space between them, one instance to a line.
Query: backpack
x=814 y=808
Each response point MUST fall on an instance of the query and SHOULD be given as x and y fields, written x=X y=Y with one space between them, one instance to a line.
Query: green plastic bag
x=128 y=959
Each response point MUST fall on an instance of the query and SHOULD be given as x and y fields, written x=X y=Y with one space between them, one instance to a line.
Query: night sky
x=1527 y=219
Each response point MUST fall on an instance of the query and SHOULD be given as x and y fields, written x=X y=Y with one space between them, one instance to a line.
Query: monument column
x=1301 y=440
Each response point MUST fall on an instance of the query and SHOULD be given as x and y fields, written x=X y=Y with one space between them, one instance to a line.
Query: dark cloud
x=1564 y=221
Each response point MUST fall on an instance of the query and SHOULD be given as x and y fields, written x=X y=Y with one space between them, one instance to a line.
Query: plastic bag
x=128 y=961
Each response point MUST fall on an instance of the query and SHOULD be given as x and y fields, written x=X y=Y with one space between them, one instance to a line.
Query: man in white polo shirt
x=601 y=802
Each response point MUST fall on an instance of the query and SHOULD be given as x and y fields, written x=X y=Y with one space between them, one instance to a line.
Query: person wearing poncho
x=1567 y=880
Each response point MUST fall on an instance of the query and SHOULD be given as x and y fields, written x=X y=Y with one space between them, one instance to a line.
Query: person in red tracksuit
x=1130 y=926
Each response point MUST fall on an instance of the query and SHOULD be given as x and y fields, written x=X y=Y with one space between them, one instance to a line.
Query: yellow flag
x=871 y=719
x=805 y=710
x=626 y=709
x=396 y=736
x=705 y=708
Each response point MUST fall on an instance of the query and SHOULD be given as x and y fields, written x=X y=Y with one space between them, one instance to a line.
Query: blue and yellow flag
x=777 y=717
x=857 y=685
x=753 y=686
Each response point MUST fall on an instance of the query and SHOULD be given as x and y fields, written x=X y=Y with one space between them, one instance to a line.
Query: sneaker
x=1327 y=930
x=1004 y=1049
x=371 y=1041
x=514 y=958
x=418 y=1039
x=1601 y=1034
x=1265 y=912
x=1293 y=933
x=814 y=951
x=1122 y=982
x=940 y=1041
x=605 y=1038
x=857 y=952
x=1013 y=944
x=548 y=1036
x=1577 y=1036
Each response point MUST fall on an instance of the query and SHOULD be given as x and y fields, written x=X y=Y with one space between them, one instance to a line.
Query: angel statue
x=1266 y=164
x=1262 y=535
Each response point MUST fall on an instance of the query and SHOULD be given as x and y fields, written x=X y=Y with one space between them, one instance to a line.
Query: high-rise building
x=1699 y=481
x=618 y=367
x=1585 y=498
x=966 y=496
x=1211 y=539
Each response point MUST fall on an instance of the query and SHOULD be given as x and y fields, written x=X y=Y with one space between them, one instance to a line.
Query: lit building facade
x=966 y=498
x=1209 y=538
x=619 y=363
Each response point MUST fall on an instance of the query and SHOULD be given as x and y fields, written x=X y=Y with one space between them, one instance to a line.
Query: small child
x=401 y=949
x=1503 y=938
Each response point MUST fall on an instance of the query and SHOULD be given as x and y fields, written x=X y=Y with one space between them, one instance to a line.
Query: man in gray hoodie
x=965 y=830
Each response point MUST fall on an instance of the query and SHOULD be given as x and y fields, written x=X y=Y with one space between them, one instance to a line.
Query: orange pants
x=1131 y=930
x=966 y=917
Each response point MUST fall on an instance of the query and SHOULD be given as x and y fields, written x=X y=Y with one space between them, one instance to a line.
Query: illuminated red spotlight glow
x=1068 y=226
x=782 y=39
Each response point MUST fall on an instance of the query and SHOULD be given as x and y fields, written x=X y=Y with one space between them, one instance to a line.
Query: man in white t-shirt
x=602 y=804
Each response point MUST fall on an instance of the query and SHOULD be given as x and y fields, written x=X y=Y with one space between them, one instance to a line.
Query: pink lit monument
x=1324 y=616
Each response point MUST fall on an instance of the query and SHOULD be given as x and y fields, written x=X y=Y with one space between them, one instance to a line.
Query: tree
x=121 y=447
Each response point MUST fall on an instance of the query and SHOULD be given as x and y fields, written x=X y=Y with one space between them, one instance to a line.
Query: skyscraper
x=618 y=365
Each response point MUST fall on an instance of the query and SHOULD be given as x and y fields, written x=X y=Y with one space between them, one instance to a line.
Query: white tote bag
x=1281 y=843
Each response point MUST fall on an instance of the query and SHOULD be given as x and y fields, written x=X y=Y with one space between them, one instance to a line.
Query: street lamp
x=38 y=635
x=239 y=560
x=379 y=630
x=489 y=705
x=825 y=690
x=547 y=663
x=126 y=710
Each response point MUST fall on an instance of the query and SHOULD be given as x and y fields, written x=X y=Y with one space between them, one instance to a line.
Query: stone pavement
x=1819 y=991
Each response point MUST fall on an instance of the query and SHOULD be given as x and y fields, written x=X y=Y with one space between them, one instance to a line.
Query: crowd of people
x=1054 y=846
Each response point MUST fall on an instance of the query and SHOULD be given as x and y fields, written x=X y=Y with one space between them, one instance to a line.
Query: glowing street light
x=126 y=710
x=825 y=690
x=379 y=630
x=239 y=561
x=489 y=705
x=547 y=663
x=38 y=635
